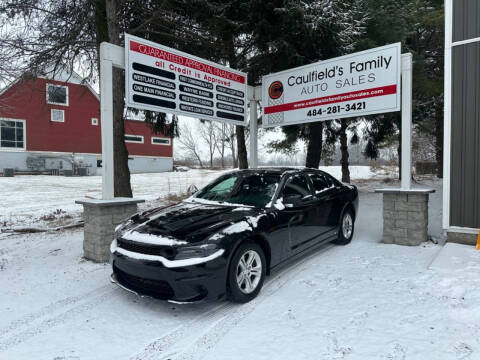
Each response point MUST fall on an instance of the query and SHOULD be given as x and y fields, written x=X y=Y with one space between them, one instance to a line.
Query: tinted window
x=255 y=190
x=218 y=191
x=320 y=182
x=296 y=186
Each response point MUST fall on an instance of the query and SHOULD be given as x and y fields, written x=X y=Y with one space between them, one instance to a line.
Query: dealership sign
x=162 y=79
x=358 y=84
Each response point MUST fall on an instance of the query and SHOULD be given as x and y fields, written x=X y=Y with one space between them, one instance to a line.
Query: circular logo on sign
x=275 y=90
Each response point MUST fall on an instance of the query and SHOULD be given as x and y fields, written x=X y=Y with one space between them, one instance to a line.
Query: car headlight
x=197 y=251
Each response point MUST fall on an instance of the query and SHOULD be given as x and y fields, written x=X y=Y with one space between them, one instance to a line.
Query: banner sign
x=363 y=83
x=162 y=79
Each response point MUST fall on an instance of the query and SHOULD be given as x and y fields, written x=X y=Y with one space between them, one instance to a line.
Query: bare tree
x=222 y=132
x=209 y=135
x=189 y=142
x=232 y=142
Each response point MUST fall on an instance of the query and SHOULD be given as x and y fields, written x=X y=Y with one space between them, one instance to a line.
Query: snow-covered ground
x=366 y=300
x=27 y=200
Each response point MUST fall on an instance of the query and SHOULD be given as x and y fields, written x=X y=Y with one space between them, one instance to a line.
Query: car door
x=299 y=212
x=326 y=203
x=337 y=196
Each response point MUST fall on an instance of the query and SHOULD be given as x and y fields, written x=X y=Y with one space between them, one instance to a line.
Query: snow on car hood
x=189 y=222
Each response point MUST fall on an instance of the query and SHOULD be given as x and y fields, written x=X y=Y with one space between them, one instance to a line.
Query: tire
x=240 y=289
x=345 y=228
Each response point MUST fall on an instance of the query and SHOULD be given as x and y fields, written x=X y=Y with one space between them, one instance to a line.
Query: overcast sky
x=264 y=138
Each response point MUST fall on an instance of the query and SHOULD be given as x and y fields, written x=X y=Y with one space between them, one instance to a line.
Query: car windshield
x=252 y=190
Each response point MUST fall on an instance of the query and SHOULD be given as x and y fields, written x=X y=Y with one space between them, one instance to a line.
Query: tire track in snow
x=206 y=342
x=215 y=324
x=196 y=325
x=101 y=294
x=48 y=310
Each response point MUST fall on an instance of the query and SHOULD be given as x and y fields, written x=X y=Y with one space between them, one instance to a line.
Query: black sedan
x=223 y=240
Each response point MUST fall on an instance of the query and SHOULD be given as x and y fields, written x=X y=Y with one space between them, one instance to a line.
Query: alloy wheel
x=347 y=226
x=249 y=271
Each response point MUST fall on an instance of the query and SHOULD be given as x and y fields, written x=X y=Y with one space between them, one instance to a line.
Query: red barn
x=48 y=124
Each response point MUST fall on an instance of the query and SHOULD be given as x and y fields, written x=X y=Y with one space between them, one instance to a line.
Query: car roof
x=272 y=170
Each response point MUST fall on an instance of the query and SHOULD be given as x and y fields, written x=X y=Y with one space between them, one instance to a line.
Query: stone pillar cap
x=404 y=191
x=112 y=202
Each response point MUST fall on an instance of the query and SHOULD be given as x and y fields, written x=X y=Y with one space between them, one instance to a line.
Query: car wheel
x=246 y=273
x=346 y=228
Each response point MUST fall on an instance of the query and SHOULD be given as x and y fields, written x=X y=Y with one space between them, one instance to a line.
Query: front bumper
x=189 y=283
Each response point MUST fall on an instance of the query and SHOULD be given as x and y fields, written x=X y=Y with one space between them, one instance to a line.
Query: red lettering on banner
x=349 y=96
x=181 y=60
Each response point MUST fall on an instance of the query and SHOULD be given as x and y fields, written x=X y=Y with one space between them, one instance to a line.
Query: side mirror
x=279 y=204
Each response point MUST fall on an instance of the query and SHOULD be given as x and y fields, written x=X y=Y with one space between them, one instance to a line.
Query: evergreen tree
x=288 y=34
x=418 y=24
x=426 y=42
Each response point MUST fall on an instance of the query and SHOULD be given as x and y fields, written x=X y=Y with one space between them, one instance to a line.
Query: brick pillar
x=405 y=216
x=101 y=218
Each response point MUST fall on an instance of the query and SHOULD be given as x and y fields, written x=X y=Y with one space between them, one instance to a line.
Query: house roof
x=60 y=75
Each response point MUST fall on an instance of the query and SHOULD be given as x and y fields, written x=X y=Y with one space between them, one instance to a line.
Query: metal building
x=461 y=189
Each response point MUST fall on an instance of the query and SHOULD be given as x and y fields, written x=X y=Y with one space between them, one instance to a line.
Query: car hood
x=191 y=221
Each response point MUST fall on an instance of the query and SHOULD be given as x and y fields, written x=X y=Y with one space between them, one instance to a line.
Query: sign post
x=110 y=56
x=254 y=96
x=359 y=84
x=406 y=165
x=97 y=236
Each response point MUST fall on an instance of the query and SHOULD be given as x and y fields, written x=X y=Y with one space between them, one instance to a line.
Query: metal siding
x=466 y=19
x=465 y=150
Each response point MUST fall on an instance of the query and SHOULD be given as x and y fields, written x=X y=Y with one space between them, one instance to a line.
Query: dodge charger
x=227 y=237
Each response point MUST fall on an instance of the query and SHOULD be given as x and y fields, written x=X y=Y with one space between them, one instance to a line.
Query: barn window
x=12 y=134
x=94 y=121
x=57 y=94
x=160 y=141
x=57 y=115
x=134 y=138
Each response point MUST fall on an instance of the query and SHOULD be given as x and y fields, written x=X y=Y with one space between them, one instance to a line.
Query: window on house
x=94 y=121
x=57 y=94
x=134 y=138
x=160 y=141
x=57 y=115
x=12 y=134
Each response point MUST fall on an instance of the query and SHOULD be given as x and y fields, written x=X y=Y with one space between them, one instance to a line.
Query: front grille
x=156 y=288
x=167 y=252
